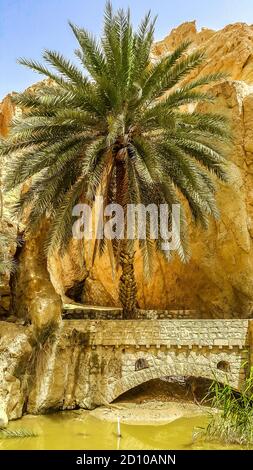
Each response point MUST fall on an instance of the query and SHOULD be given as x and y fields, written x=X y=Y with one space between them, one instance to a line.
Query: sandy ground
x=150 y=412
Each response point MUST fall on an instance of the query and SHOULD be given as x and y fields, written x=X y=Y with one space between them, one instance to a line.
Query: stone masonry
x=92 y=362
x=98 y=360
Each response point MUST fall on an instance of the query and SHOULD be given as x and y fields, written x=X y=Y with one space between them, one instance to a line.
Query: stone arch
x=141 y=376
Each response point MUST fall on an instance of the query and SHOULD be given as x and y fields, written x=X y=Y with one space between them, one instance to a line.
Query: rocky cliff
x=218 y=280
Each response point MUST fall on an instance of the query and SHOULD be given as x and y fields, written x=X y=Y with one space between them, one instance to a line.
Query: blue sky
x=29 y=26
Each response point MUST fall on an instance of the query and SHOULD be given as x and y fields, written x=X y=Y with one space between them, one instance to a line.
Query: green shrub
x=231 y=418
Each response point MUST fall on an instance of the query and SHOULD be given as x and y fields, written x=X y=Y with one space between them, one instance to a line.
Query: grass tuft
x=16 y=433
x=231 y=420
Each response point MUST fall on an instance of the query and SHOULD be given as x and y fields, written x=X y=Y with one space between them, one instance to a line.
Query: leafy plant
x=119 y=125
x=16 y=433
x=42 y=340
x=231 y=420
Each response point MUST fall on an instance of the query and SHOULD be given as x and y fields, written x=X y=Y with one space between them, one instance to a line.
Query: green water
x=74 y=430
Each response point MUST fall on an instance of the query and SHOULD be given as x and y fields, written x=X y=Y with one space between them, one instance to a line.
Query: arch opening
x=168 y=389
x=133 y=378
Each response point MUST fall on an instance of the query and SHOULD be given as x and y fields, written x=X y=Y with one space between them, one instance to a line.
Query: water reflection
x=79 y=430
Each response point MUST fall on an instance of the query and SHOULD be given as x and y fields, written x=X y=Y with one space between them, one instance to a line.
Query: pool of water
x=75 y=430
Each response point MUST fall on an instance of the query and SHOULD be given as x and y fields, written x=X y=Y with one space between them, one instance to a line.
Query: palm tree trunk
x=127 y=287
x=127 y=284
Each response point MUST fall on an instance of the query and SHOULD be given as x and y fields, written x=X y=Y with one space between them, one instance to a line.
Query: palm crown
x=116 y=125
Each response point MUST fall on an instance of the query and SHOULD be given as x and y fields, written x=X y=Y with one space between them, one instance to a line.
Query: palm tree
x=116 y=125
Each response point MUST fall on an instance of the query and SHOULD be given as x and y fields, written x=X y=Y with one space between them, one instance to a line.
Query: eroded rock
x=15 y=355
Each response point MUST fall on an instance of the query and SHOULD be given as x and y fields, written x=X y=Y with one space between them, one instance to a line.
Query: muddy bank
x=159 y=401
x=149 y=413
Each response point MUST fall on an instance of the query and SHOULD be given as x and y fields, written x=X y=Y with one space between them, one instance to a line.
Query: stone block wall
x=92 y=362
x=211 y=333
x=71 y=312
x=200 y=348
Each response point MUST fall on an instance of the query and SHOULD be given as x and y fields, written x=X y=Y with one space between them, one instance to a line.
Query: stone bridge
x=92 y=362
x=110 y=357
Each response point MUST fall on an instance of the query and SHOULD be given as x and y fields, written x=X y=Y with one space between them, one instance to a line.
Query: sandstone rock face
x=35 y=296
x=7 y=227
x=3 y=419
x=185 y=32
x=218 y=280
x=6 y=113
x=15 y=354
x=228 y=50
